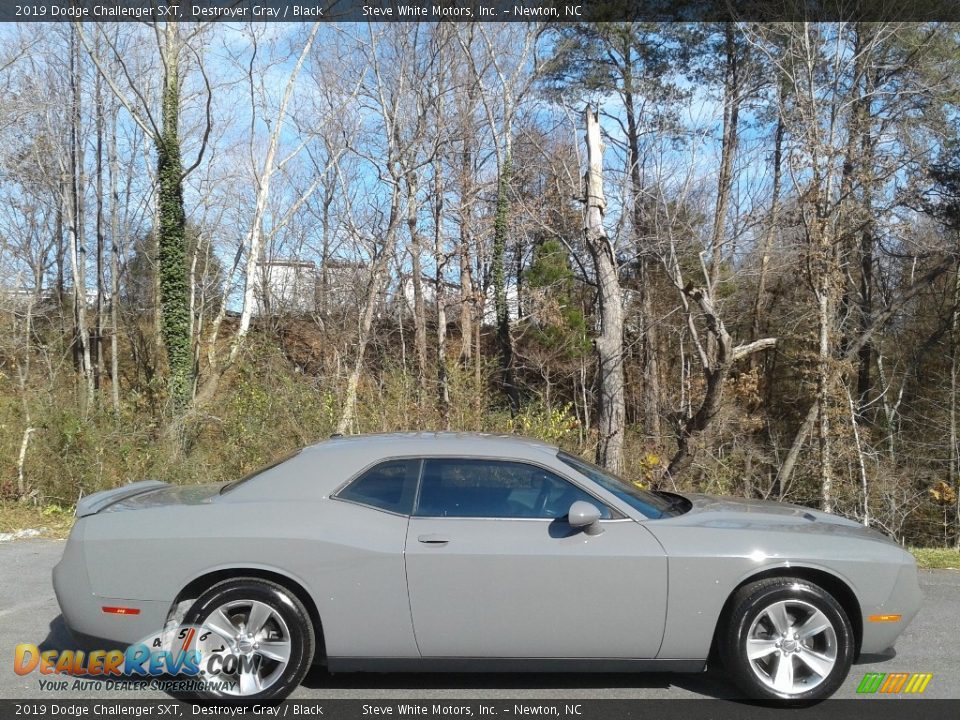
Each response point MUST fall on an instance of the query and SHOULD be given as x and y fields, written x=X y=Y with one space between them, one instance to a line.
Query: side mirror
x=585 y=516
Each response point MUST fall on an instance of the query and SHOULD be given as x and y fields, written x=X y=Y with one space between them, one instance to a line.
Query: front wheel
x=787 y=639
x=256 y=640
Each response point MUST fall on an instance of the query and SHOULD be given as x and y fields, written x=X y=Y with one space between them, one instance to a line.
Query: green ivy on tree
x=174 y=290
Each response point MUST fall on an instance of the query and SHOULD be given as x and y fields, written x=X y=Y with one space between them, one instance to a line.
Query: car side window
x=453 y=487
x=388 y=486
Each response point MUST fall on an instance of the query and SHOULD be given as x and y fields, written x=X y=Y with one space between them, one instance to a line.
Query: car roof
x=341 y=457
x=439 y=443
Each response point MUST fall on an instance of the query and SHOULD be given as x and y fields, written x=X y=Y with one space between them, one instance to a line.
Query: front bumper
x=83 y=609
x=905 y=600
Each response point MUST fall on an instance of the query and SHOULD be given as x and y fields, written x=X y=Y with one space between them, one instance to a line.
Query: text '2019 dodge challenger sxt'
x=476 y=552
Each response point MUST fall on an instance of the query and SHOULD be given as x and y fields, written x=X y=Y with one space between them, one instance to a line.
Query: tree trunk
x=824 y=367
x=325 y=226
x=440 y=260
x=348 y=413
x=860 y=167
x=78 y=252
x=61 y=250
x=467 y=291
x=174 y=292
x=22 y=459
x=648 y=327
x=499 y=271
x=865 y=356
x=954 y=471
x=793 y=454
x=609 y=344
x=262 y=185
x=861 y=465
x=23 y=374
x=192 y=310
x=416 y=280
x=771 y=224
x=728 y=152
x=114 y=265
x=97 y=340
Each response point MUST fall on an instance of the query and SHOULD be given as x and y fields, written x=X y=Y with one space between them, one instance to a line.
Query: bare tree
x=609 y=344
x=716 y=357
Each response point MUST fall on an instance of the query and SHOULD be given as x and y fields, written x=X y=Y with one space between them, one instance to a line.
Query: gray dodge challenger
x=439 y=552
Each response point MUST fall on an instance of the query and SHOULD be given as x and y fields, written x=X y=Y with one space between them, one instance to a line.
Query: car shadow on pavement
x=708 y=684
x=59 y=637
x=870 y=658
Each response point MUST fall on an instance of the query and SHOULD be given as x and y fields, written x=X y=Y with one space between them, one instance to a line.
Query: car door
x=359 y=569
x=493 y=569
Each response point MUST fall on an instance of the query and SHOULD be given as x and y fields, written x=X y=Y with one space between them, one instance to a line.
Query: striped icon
x=893 y=683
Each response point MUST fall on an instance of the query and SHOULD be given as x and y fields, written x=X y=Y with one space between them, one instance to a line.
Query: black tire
x=282 y=602
x=749 y=610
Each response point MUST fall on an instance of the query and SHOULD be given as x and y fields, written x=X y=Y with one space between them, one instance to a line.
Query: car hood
x=742 y=513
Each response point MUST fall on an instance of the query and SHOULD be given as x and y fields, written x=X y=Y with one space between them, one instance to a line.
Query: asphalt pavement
x=29 y=614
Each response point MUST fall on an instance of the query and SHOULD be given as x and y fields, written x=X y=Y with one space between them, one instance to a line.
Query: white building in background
x=285 y=287
x=490 y=304
x=452 y=299
x=20 y=297
x=296 y=287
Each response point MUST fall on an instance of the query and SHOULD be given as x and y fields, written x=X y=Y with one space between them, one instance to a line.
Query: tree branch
x=742 y=351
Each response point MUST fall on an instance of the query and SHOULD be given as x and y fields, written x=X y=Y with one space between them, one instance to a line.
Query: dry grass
x=940 y=558
x=53 y=521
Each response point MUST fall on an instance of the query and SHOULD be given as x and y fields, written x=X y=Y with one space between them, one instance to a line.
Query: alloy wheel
x=791 y=646
x=256 y=636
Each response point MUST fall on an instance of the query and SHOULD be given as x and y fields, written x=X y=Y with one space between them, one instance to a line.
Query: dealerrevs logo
x=894 y=683
x=138 y=659
x=174 y=652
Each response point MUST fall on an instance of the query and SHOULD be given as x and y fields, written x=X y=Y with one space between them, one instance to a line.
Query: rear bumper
x=83 y=611
x=905 y=600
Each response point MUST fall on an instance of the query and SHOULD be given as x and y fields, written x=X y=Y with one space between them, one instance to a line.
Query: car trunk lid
x=92 y=504
x=146 y=494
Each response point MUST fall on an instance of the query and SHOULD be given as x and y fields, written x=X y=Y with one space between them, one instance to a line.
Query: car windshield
x=650 y=504
x=236 y=483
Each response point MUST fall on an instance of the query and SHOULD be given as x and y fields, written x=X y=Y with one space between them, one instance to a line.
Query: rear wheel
x=258 y=635
x=787 y=639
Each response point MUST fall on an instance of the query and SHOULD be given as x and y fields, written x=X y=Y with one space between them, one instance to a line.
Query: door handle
x=433 y=539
